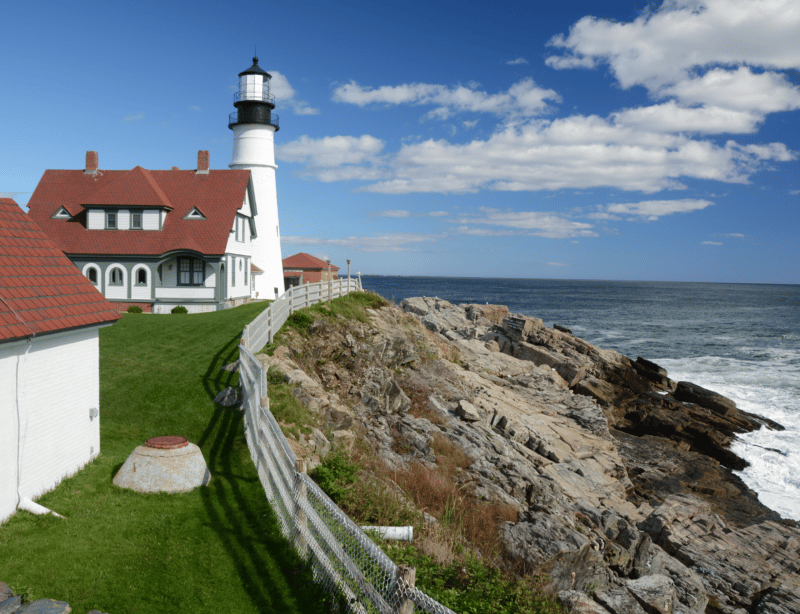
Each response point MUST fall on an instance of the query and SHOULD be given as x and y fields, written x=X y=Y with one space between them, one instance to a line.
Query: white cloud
x=194 y=108
x=517 y=61
x=10 y=194
x=710 y=243
x=134 y=118
x=794 y=192
x=738 y=90
x=335 y=158
x=400 y=213
x=735 y=235
x=284 y=93
x=393 y=213
x=651 y=210
x=538 y=223
x=573 y=152
x=670 y=117
x=664 y=46
x=400 y=242
x=523 y=98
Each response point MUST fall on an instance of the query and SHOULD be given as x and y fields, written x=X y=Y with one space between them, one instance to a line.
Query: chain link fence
x=344 y=559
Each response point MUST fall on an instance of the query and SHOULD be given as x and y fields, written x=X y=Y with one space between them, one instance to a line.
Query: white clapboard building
x=50 y=316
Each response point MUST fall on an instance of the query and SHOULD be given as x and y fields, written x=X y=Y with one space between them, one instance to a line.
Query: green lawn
x=215 y=549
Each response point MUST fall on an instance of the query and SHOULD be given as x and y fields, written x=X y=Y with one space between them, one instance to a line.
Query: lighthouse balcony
x=254 y=93
x=253 y=115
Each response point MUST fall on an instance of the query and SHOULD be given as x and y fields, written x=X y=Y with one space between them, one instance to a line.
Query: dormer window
x=111 y=220
x=195 y=214
x=136 y=220
x=61 y=214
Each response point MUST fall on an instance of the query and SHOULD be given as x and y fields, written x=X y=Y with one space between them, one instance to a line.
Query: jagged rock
x=655 y=593
x=298 y=377
x=10 y=604
x=467 y=411
x=582 y=441
x=45 y=606
x=234 y=366
x=578 y=602
x=692 y=393
x=227 y=397
x=321 y=444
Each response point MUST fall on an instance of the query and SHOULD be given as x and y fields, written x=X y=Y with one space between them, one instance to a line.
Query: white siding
x=51 y=388
x=139 y=292
x=151 y=220
x=117 y=292
x=185 y=292
x=124 y=219
x=95 y=219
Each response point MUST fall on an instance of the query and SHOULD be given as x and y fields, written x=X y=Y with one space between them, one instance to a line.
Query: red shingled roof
x=41 y=291
x=306 y=261
x=219 y=194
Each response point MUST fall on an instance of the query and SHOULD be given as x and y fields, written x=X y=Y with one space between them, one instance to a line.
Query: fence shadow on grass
x=274 y=577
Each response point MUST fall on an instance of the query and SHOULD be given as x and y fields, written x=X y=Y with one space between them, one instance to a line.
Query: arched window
x=93 y=275
x=116 y=277
x=141 y=277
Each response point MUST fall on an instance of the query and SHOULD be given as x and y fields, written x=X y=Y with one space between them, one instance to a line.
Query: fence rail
x=344 y=559
x=261 y=331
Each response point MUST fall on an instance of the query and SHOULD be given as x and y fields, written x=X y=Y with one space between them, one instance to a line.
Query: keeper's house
x=158 y=239
x=50 y=316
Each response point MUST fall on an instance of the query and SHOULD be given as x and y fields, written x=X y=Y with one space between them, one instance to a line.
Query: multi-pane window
x=246 y=266
x=111 y=220
x=116 y=277
x=233 y=271
x=93 y=275
x=136 y=220
x=141 y=277
x=191 y=271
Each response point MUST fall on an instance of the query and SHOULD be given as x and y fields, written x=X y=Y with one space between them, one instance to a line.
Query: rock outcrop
x=621 y=477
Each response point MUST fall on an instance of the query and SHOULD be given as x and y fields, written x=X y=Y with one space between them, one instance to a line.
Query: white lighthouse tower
x=254 y=127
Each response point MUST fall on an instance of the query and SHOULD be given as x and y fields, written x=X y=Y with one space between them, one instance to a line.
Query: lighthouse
x=254 y=126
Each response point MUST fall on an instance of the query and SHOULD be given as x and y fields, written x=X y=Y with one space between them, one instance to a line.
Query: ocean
x=741 y=340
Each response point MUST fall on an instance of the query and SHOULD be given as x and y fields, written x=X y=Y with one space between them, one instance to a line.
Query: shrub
x=179 y=309
x=134 y=309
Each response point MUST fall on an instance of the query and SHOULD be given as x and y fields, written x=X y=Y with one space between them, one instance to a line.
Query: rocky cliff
x=621 y=477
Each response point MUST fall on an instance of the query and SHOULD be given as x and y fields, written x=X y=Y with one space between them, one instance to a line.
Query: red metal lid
x=167 y=442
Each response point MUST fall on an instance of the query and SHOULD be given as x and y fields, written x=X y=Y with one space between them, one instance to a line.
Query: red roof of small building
x=293 y=273
x=306 y=261
x=219 y=194
x=41 y=291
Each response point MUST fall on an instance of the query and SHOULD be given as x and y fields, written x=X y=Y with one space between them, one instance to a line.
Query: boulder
x=692 y=393
x=466 y=411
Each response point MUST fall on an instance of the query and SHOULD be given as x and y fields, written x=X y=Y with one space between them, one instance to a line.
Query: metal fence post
x=406 y=578
x=291 y=300
x=269 y=324
x=300 y=520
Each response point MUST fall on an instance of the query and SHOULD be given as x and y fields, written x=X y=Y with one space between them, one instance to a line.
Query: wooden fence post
x=291 y=300
x=406 y=577
x=269 y=323
x=300 y=520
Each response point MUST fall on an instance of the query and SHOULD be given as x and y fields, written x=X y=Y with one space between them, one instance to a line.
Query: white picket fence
x=261 y=331
x=344 y=559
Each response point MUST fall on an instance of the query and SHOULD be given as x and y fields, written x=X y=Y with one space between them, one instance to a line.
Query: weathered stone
x=234 y=366
x=578 y=602
x=655 y=593
x=692 y=393
x=467 y=411
x=45 y=606
x=321 y=444
x=227 y=397
x=10 y=604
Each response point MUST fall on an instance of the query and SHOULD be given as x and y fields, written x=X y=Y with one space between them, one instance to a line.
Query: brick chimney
x=202 y=162
x=91 y=162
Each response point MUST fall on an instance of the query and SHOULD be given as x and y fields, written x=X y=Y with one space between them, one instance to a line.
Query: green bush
x=179 y=309
x=134 y=309
x=335 y=475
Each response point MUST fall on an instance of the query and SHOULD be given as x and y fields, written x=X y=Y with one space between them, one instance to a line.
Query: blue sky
x=610 y=140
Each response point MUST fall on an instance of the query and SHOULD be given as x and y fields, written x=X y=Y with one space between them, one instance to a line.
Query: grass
x=215 y=548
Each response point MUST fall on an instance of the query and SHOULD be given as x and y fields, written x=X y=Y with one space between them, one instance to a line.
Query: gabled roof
x=41 y=291
x=219 y=194
x=306 y=261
